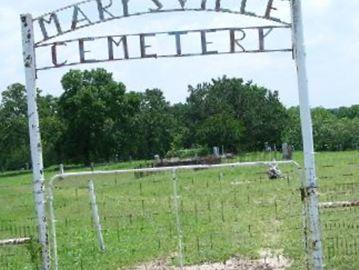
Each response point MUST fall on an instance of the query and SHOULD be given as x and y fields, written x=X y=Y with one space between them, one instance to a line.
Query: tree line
x=97 y=119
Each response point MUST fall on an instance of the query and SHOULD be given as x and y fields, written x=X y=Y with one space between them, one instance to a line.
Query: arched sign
x=120 y=47
x=136 y=46
x=90 y=12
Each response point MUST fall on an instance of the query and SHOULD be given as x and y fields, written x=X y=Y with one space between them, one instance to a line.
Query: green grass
x=223 y=213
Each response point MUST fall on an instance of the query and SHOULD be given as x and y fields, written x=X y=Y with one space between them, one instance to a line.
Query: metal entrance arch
x=81 y=20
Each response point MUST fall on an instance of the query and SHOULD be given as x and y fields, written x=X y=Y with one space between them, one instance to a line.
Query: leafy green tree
x=181 y=131
x=346 y=112
x=91 y=106
x=323 y=124
x=346 y=132
x=126 y=138
x=155 y=124
x=95 y=119
x=52 y=128
x=292 y=133
x=331 y=132
x=14 y=139
x=221 y=130
x=260 y=114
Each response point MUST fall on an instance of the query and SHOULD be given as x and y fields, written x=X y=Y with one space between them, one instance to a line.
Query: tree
x=95 y=119
x=155 y=123
x=346 y=134
x=91 y=107
x=292 y=133
x=221 y=130
x=14 y=138
x=257 y=110
x=323 y=123
x=331 y=133
x=346 y=112
x=52 y=128
x=181 y=131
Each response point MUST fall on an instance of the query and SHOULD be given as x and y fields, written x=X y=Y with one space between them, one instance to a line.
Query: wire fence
x=218 y=218
x=181 y=218
x=339 y=196
x=18 y=220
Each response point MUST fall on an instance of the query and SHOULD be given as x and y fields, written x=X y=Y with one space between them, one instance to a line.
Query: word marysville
x=160 y=45
x=91 y=12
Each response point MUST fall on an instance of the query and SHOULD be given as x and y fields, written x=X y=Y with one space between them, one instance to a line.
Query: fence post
x=53 y=226
x=310 y=190
x=61 y=169
x=95 y=215
x=305 y=215
x=28 y=44
x=178 y=220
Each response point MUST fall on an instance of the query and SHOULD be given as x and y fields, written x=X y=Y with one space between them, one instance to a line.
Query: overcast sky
x=332 y=40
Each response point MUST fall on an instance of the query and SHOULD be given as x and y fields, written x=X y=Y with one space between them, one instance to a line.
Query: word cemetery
x=136 y=46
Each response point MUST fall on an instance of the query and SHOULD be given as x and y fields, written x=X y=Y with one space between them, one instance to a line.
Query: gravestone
x=216 y=151
x=287 y=151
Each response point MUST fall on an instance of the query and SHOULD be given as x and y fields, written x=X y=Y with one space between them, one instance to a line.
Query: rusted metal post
x=310 y=189
x=95 y=215
x=35 y=138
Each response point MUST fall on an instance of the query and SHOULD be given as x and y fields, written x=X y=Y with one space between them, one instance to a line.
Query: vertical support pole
x=95 y=215
x=34 y=130
x=178 y=220
x=305 y=216
x=53 y=226
x=310 y=191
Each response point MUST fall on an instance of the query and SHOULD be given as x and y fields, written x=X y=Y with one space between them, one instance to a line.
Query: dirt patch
x=268 y=261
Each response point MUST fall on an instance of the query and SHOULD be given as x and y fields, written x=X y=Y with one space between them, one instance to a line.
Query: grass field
x=223 y=212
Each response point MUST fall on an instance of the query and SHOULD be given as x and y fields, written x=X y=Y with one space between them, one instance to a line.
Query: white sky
x=332 y=39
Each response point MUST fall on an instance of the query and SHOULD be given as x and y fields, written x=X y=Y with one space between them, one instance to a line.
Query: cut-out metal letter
x=112 y=41
x=83 y=51
x=158 y=4
x=125 y=7
x=104 y=9
x=54 y=54
x=234 y=41
x=144 y=46
x=76 y=19
x=55 y=19
x=178 y=35
x=204 y=42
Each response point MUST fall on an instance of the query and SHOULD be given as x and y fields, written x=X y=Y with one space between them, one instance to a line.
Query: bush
x=188 y=153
